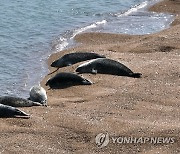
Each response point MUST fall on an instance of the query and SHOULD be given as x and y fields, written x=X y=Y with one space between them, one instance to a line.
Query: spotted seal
x=17 y=101
x=66 y=79
x=106 y=66
x=73 y=58
x=9 y=111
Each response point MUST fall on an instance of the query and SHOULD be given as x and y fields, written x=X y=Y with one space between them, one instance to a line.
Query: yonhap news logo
x=103 y=139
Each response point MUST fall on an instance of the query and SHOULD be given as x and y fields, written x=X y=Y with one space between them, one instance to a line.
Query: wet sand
x=119 y=106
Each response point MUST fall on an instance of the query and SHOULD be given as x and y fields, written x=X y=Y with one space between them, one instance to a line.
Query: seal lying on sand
x=64 y=80
x=73 y=58
x=38 y=94
x=106 y=66
x=9 y=111
x=17 y=102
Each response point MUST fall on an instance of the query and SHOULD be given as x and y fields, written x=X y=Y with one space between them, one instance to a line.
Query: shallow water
x=29 y=30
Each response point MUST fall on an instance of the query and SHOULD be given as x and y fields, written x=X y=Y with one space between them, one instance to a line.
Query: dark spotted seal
x=73 y=58
x=9 y=111
x=106 y=66
x=38 y=94
x=65 y=79
x=17 y=102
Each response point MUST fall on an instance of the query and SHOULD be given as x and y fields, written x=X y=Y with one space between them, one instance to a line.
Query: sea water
x=32 y=30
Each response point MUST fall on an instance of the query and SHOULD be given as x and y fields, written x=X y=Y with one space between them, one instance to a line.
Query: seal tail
x=21 y=113
x=136 y=75
x=87 y=82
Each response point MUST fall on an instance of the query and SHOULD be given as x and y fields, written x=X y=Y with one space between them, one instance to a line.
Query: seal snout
x=54 y=64
x=48 y=82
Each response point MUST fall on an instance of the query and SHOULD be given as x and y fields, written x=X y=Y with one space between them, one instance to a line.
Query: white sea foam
x=134 y=9
x=94 y=25
x=64 y=42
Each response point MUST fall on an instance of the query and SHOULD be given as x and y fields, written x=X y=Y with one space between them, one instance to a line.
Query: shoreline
x=173 y=7
x=145 y=107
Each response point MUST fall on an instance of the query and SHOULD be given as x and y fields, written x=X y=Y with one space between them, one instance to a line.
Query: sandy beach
x=119 y=106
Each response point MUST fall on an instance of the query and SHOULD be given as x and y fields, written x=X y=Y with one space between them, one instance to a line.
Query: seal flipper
x=136 y=75
x=94 y=71
x=69 y=64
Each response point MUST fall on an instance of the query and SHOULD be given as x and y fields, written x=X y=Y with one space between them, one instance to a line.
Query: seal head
x=38 y=94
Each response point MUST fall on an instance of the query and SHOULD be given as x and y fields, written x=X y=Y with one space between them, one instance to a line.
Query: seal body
x=17 y=102
x=106 y=66
x=65 y=79
x=73 y=58
x=38 y=94
x=9 y=111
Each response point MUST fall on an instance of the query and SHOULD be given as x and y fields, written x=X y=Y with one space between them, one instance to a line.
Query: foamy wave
x=64 y=43
x=88 y=27
x=134 y=9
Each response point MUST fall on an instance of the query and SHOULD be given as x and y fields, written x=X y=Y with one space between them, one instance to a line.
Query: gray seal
x=38 y=94
x=106 y=66
x=66 y=79
x=73 y=58
x=18 y=102
x=9 y=111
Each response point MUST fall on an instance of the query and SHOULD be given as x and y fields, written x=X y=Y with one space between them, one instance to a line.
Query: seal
x=73 y=58
x=66 y=79
x=38 y=94
x=9 y=111
x=17 y=102
x=106 y=66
